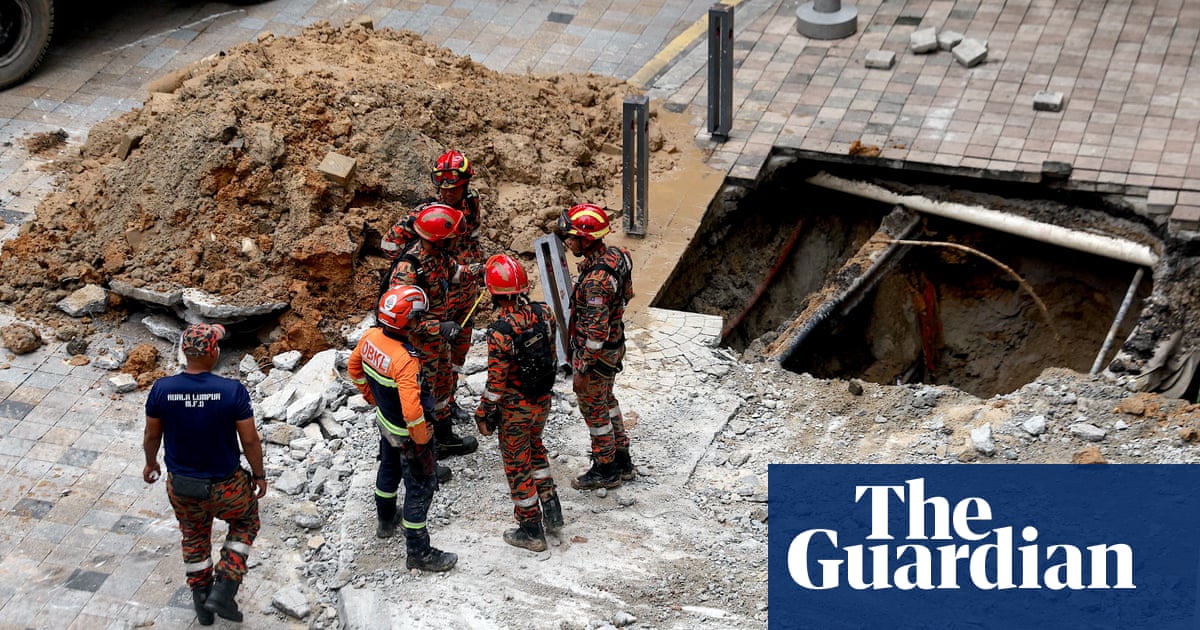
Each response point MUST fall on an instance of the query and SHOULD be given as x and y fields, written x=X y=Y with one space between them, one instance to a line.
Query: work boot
x=204 y=616
x=552 y=513
x=598 y=476
x=444 y=473
x=220 y=599
x=460 y=415
x=527 y=535
x=449 y=445
x=625 y=464
x=386 y=528
x=431 y=560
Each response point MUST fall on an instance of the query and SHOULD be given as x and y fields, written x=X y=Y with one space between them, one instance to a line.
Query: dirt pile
x=216 y=185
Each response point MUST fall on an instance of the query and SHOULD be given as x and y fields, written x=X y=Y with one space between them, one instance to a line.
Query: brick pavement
x=84 y=543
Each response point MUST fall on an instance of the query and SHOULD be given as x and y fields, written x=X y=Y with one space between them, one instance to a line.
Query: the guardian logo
x=947 y=546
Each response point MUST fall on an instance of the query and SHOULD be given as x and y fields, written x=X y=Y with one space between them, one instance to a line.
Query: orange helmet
x=505 y=276
x=586 y=220
x=438 y=222
x=451 y=170
x=400 y=305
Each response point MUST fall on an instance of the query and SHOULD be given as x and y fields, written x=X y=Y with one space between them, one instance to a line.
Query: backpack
x=534 y=354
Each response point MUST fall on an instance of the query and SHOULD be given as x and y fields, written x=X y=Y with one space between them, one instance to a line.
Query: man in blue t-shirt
x=200 y=418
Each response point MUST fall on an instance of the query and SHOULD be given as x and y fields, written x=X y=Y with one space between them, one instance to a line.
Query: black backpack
x=535 y=356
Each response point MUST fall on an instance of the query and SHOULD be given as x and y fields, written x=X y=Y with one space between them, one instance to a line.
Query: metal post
x=1112 y=331
x=556 y=287
x=635 y=170
x=720 y=71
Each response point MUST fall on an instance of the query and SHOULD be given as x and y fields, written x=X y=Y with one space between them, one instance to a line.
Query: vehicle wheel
x=25 y=28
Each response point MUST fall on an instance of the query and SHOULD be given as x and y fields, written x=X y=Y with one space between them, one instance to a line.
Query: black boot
x=449 y=444
x=460 y=415
x=598 y=476
x=552 y=513
x=431 y=560
x=444 y=473
x=527 y=535
x=625 y=464
x=204 y=616
x=387 y=515
x=220 y=599
x=385 y=529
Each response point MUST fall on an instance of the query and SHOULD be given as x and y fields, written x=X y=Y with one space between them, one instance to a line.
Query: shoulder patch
x=596 y=300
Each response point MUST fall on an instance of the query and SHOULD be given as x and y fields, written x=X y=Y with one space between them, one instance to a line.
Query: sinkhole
x=817 y=279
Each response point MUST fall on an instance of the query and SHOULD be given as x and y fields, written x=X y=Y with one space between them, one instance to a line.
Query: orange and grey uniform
x=387 y=372
x=597 y=338
x=521 y=420
x=466 y=250
x=434 y=273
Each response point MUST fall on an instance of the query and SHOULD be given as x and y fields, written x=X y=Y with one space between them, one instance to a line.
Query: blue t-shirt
x=199 y=413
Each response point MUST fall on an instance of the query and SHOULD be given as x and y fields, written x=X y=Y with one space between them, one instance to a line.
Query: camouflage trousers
x=602 y=413
x=232 y=501
x=525 y=463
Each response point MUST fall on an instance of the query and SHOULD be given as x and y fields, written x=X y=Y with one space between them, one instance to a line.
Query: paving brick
x=947 y=40
x=1160 y=202
x=880 y=59
x=1186 y=217
x=338 y=168
x=923 y=41
x=970 y=52
x=1048 y=101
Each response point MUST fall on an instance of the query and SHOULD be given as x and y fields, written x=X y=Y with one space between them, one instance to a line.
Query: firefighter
x=426 y=262
x=385 y=368
x=516 y=401
x=451 y=176
x=597 y=340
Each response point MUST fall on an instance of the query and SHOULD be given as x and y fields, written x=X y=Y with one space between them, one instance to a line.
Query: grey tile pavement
x=84 y=543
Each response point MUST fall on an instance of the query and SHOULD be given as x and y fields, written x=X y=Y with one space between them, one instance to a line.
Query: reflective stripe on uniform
x=541 y=473
x=412 y=423
x=386 y=495
x=409 y=525
x=192 y=567
x=604 y=430
x=530 y=502
x=377 y=377
x=592 y=344
x=237 y=547
x=359 y=381
x=386 y=425
x=492 y=396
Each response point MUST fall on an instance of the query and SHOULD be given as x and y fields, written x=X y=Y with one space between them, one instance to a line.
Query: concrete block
x=1045 y=101
x=947 y=40
x=338 y=168
x=130 y=141
x=1160 y=201
x=89 y=300
x=970 y=52
x=880 y=59
x=923 y=40
x=1053 y=170
x=1186 y=218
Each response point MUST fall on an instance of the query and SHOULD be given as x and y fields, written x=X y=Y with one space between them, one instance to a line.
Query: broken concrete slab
x=923 y=41
x=89 y=300
x=880 y=59
x=970 y=52
x=122 y=383
x=1161 y=201
x=209 y=306
x=169 y=297
x=338 y=168
x=1045 y=101
x=163 y=326
x=947 y=40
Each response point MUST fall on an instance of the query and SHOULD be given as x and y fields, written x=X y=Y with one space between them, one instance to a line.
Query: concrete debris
x=947 y=40
x=981 y=439
x=122 y=383
x=92 y=299
x=288 y=360
x=292 y=602
x=923 y=41
x=1087 y=432
x=970 y=52
x=1035 y=426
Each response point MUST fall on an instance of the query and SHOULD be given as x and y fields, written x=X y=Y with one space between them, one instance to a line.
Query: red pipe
x=766 y=282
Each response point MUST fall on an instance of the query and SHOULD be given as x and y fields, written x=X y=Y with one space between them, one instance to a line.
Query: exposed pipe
x=766 y=282
x=1112 y=331
x=1107 y=246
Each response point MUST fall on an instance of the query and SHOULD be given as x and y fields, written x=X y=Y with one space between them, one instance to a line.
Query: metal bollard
x=556 y=287
x=720 y=71
x=635 y=173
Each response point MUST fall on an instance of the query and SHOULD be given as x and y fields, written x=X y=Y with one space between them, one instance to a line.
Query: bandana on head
x=200 y=340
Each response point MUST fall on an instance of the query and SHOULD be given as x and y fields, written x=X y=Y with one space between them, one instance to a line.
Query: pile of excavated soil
x=216 y=185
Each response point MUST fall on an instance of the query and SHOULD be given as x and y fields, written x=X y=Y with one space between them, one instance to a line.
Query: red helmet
x=438 y=222
x=399 y=305
x=451 y=170
x=586 y=220
x=505 y=276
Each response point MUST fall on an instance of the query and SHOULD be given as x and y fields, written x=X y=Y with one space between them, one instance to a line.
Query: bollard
x=720 y=71
x=635 y=173
x=826 y=19
x=556 y=287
